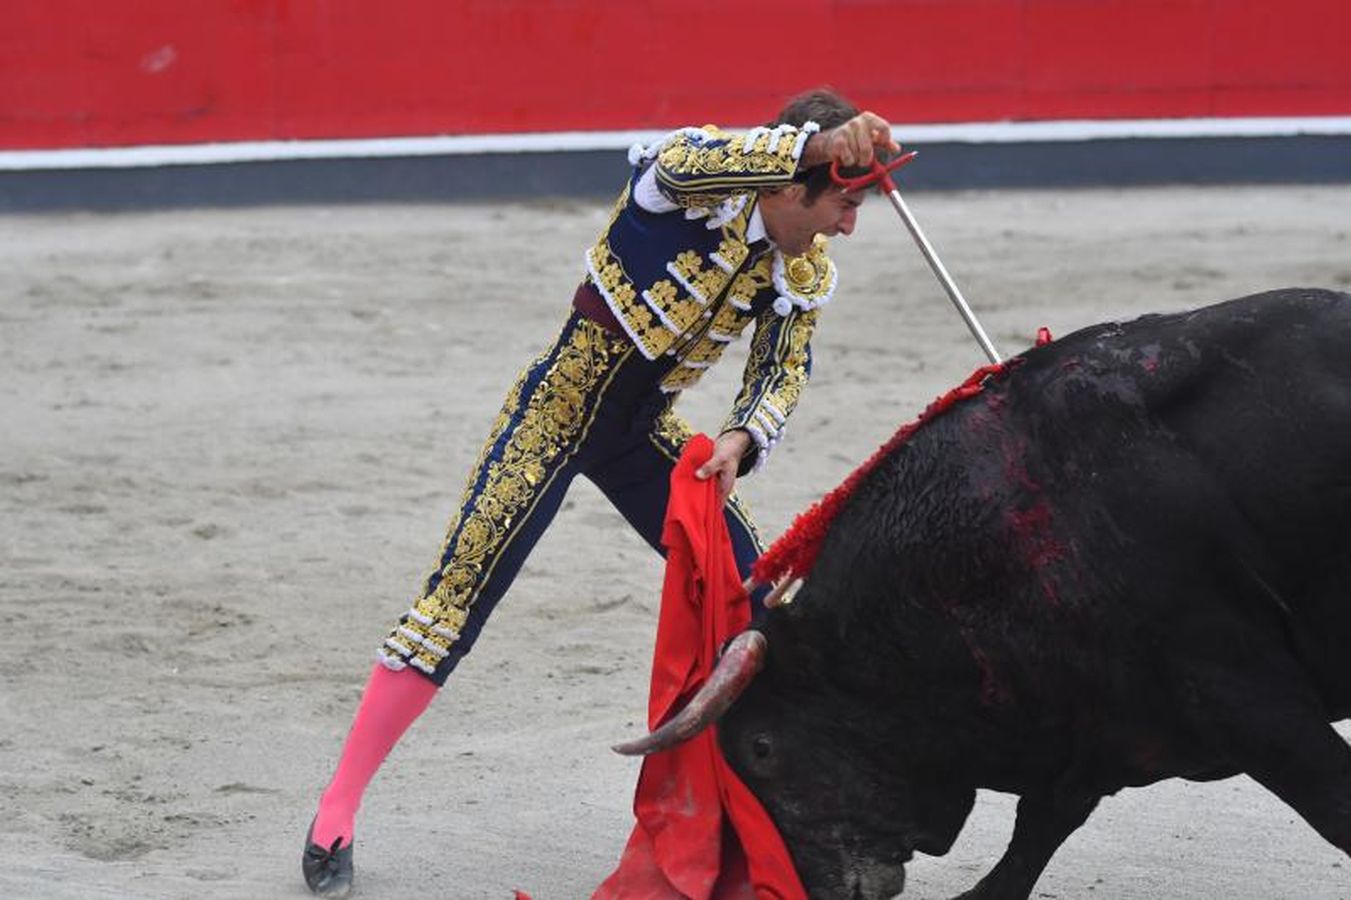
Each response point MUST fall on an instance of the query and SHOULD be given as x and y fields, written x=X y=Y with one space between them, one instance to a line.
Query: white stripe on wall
x=565 y=141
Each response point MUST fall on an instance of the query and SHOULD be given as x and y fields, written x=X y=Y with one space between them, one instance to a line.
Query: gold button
x=801 y=272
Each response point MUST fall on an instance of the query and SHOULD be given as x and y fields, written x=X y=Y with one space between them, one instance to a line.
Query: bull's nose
x=879 y=883
x=842 y=875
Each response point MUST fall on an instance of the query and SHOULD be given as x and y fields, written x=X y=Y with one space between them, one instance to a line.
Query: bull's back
x=1256 y=390
x=1205 y=458
x=1129 y=433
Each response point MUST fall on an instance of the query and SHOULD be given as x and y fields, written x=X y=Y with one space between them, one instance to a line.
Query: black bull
x=1128 y=560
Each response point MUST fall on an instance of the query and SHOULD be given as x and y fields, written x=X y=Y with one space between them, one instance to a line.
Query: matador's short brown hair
x=828 y=109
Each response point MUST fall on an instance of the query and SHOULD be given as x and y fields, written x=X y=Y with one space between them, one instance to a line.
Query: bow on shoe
x=327 y=870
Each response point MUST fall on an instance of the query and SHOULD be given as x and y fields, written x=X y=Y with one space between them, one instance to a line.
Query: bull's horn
x=743 y=658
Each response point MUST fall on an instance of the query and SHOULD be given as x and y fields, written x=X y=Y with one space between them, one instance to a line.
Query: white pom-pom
x=782 y=305
x=636 y=154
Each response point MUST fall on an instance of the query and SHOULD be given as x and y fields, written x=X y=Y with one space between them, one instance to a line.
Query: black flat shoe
x=328 y=870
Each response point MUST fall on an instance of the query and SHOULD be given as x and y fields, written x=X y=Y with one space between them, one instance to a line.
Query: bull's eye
x=762 y=747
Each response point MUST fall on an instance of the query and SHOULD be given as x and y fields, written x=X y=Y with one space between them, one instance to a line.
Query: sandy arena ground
x=231 y=443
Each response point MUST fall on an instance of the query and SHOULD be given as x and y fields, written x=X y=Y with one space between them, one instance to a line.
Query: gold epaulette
x=703 y=166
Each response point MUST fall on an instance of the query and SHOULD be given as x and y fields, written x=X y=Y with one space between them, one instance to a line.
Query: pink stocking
x=392 y=701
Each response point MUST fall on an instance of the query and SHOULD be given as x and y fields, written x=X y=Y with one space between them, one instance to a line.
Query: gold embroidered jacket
x=685 y=265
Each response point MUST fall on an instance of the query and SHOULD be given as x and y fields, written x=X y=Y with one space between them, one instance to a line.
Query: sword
x=881 y=176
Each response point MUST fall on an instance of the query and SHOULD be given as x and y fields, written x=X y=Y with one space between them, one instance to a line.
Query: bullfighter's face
x=836 y=786
x=793 y=221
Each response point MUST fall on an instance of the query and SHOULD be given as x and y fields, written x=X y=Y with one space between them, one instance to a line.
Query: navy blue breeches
x=589 y=405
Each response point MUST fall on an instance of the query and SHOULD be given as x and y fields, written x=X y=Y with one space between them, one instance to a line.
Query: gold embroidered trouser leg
x=510 y=497
x=637 y=480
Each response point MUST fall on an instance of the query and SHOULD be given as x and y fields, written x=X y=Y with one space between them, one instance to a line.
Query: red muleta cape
x=701 y=834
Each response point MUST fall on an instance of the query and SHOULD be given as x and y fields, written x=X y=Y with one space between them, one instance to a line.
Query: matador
x=714 y=232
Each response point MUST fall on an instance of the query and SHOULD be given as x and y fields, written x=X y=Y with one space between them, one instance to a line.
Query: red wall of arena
x=79 y=73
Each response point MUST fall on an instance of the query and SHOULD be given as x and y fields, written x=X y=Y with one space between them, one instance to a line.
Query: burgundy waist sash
x=588 y=301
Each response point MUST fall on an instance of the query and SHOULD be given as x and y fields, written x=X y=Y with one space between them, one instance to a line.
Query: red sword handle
x=880 y=174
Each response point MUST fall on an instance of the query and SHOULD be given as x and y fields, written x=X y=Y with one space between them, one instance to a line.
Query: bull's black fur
x=1128 y=560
